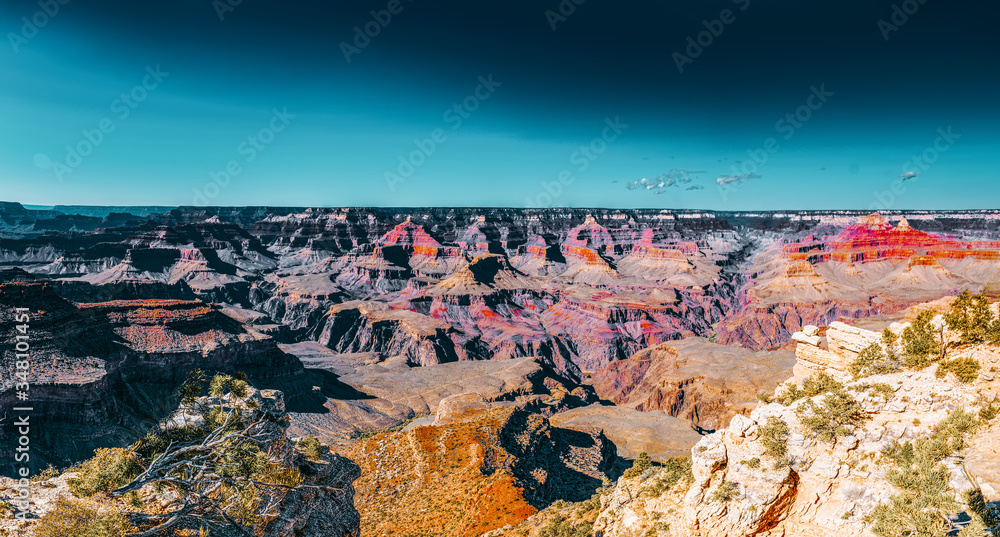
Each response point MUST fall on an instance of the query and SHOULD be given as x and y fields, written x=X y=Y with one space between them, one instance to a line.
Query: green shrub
x=889 y=341
x=918 y=509
x=725 y=492
x=918 y=341
x=133 y=499
x=988 y=412
x=925 y=493
x=157 y=439
x=243 y=459
x=238 y=388
x=311 y=447
x=641 y=463
x=993 y=332
x=753 y=463
x=219 y=385
x=947 y=438
x=837 y=415
x=46 y=474
x=873 y=360
x=814 y=385
x=560 y=526
x=594 y=503
x=977 y=504
x=975 y=528
x=228 y=478
x=109 y=469
x=773 y=435
x=966 y=369
x=956 y=425
x=74 y=518
x=193 y=386
x=674 y=470
x=878 y=389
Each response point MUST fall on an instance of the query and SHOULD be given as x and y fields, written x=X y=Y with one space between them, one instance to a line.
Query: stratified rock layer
x=102 y=373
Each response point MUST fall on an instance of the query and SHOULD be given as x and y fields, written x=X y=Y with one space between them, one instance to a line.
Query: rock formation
x=832 y=354
x=102 y=373
x=477 y=467
x=694 y=379
x=742 y=486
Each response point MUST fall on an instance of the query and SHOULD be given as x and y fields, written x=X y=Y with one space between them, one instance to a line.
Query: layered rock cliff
x=102 y=373
x=577 y=291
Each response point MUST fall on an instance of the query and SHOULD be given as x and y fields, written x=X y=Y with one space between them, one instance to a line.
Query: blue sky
x=270 y=81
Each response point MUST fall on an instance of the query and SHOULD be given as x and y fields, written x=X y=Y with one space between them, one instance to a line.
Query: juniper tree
x=918 y=341
x=971 y=317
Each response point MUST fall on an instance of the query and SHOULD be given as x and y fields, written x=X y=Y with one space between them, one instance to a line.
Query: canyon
x=406 y=337
x=772 y=472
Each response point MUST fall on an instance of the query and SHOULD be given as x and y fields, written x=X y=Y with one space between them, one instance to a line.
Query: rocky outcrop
x=769 y=326
x=308 y=512
x=322 y=505
x=826 y=488
x=741 y=488
x=832 y=354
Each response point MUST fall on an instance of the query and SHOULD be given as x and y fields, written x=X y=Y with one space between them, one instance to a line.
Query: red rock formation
x=409 y=235
x=694 y=379
x=869 y=268
x=875 y=238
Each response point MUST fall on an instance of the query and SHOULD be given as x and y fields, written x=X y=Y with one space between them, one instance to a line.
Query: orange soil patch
x=446 y=480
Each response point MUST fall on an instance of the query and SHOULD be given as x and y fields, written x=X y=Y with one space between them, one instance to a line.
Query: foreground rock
x=316 y=501
x=743 y=486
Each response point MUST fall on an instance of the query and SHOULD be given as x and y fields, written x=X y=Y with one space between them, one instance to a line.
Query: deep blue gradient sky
x=222 y=81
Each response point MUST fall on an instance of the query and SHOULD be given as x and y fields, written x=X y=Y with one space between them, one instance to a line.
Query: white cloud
x=674 y=177
x=727 y=179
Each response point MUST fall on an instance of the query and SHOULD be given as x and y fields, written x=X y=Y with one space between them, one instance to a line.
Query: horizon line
x=40 y=206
